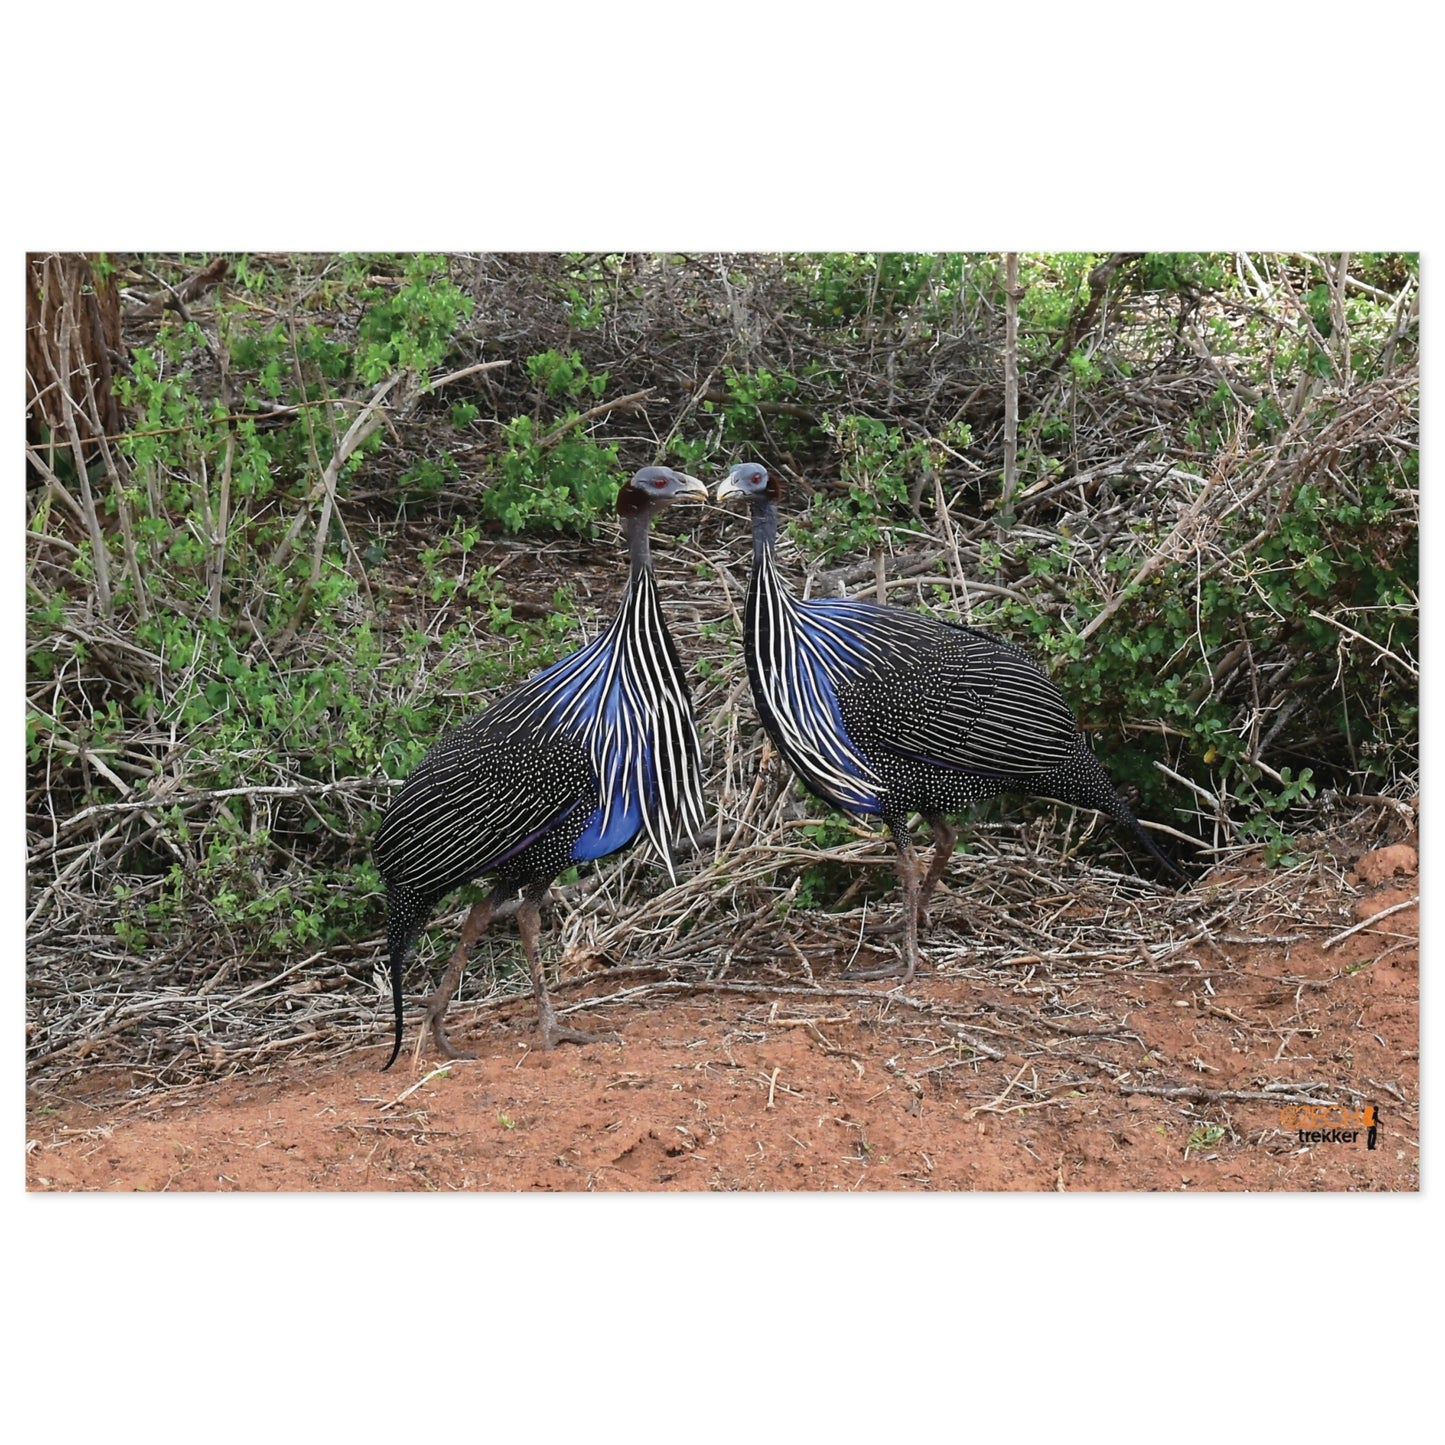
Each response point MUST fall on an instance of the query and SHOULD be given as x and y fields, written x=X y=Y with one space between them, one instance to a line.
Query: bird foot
x=885 y=928
x=444 y=1045
x=554 y=1033
x=902 y=971
x=894 y=926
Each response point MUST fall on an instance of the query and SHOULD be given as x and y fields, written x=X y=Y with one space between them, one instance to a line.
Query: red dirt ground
x=847 y=1088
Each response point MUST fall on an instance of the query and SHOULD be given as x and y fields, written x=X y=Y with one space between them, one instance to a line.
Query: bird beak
x=691 y=487
x=728 y=488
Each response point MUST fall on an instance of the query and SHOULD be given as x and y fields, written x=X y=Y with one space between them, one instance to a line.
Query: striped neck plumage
x=798 y=653
x=644 y=740
x=634 y=612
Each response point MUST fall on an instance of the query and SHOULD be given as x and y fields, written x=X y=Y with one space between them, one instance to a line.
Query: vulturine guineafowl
x=575 y=764
x=887 y=712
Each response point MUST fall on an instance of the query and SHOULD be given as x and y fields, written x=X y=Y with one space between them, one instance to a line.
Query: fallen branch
x=1200 y=1095
x=1360 y=637
x=1372 y=919
x=635 y=402
x=437 y=382
x=185 y=800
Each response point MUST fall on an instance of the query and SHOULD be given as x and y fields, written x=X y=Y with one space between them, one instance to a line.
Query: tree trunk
x=72 y=341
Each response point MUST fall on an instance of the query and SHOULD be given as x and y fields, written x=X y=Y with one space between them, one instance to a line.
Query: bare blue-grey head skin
x=887 y=712
x=751 y=481
x=747 y=479
x=569 y=767
x=663 y=485
x=649 y=491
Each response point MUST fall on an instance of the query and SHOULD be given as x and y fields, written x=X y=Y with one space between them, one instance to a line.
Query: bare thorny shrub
x=352 y=499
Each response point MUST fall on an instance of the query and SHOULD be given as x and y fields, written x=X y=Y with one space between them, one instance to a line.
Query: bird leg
x=945 y=835
x=529 y=925
x=437 y=1005
x=908 y=870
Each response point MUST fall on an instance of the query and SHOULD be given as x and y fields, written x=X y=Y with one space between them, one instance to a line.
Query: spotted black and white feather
x=833 y=675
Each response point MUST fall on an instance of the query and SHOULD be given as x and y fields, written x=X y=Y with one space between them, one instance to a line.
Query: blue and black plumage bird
x=887 y=712
x=577 y=763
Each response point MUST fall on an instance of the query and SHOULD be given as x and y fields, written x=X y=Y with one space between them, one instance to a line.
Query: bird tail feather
x=406 y=913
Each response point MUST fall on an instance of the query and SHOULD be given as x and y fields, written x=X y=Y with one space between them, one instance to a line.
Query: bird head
x=656 y=487
x=750 y=480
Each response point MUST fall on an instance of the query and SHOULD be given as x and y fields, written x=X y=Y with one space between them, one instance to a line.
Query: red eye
x=659 y=482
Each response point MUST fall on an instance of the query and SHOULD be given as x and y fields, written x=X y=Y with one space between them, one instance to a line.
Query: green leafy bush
x=879 y=466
